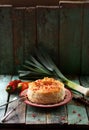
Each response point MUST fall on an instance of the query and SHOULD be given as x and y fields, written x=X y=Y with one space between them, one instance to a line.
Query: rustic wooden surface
x=62 y=31
x=32 y=2
x=18 y=36
x=6 y=46
x=70 y=38
x=85 y=40
x=75 y=38
x=29 y=2
x=73 y=114
x=48 y=30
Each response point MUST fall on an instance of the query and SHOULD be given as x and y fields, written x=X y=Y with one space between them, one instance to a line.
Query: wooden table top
x=72 y=114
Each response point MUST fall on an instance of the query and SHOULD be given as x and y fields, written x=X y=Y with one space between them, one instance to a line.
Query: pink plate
x=67 y=99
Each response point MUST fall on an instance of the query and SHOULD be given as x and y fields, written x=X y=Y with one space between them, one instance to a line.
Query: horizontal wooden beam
x=74 y=1
x=34 y=2
x=29 y=2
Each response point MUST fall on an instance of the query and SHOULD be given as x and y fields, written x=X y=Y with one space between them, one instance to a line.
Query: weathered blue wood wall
x=63 y=30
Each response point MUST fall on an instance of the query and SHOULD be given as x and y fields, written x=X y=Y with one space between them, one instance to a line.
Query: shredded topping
x=46 y=84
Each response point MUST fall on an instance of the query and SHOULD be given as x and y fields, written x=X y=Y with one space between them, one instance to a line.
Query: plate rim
x=64 y=102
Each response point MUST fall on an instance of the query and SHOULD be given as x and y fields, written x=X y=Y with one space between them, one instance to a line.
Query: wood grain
x=47 y=30
x=29 y=2
x=29 y=31
x=61 y=30
x=6 y=46
x=70 y=38
x=4 y=80
x=35 y=115
x=73 y=114
x=57 y=115
x=18 y=115
x=18 y=36
x=85 y=41
x=76 y=111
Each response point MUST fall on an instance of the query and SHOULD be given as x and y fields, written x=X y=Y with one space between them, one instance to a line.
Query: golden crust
x=46 y=91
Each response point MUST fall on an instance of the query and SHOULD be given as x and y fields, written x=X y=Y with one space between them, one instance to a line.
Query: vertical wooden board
x=70 y=37
x=48 y=30
x=76 y=111
x=57 y=115
x=35 y=115
x=85 y=82
x=6 y=44
x=85 y=41
x=18 y=36
x=29 y=31
x=4 y=80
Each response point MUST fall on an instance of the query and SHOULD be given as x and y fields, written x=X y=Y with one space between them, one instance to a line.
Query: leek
x=42 y=66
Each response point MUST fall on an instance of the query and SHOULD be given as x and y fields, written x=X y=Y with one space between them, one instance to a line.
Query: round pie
x=46 y=91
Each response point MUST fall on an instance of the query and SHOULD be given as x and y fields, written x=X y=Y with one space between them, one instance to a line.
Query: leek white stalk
x=77 y=87
x=70 y=84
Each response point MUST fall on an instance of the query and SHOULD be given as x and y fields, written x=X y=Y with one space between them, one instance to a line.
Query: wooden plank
x=6 y=46
x=29 y=2
x=18 y=115
x=3 y=94
x=18 y=36
x=15 y=77
x=35 y=115
x=76 y=111
x=3 y=99
x=85 y=41
x=57 y=115
x=74 y=2
x=5 y=78
x=84 y=80
x=29 y=31
x=70 y=37
x=77 y=115
x=48 y=29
